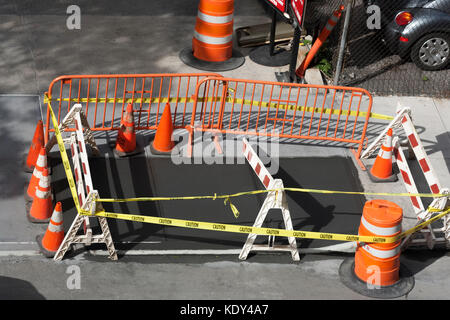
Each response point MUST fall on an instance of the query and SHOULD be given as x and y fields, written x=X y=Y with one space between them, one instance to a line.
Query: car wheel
x=432 y=52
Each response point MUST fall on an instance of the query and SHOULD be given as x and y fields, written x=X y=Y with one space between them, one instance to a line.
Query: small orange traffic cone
x=126 y=138
x=40 y=210
x=162 y=143
x=41 y=164
x=50 y=242
x=381 y=170
x=36 y=144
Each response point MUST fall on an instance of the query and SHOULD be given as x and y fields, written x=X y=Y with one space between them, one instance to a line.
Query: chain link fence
x=370 y=59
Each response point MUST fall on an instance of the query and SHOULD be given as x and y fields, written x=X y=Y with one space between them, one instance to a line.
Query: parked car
x=419 y=29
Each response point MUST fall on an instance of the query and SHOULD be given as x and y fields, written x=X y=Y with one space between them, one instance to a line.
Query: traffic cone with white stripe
x=126 y=138
x=381 y=171
x=50 y=242
x=40 y=210
x=41 y=163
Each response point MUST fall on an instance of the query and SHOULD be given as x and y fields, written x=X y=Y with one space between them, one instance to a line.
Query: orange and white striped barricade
x=429 y=233
x=274 y=200
x=83 y=185
x=437 y=206
x=212 y=44
x=69 y=121
x=77 y=142
x=85 y=189
x=410 y=185
x=71 y=236
x=434 y=185
x=395 y=123
x=403 y=121
x=420 y=154
x=407 y=176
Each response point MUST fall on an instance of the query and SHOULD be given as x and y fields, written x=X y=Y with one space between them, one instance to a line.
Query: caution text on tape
x=265 y=231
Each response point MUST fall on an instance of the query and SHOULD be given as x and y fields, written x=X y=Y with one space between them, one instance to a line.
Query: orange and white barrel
x=380 y=261
x=213 y=35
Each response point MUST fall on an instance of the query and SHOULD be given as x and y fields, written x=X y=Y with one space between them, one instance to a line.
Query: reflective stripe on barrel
x=385 y=232
x=213 y=35
x=380 y=218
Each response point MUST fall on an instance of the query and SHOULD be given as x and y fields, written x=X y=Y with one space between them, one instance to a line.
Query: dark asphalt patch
x=138 y=176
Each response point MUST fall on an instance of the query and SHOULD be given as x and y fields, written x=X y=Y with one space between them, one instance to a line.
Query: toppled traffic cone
x=50 y=242
x=36 y=144
x=381 y=171
x=40 y=210
x=162 y=143
x=126 y=138
x=41 y=164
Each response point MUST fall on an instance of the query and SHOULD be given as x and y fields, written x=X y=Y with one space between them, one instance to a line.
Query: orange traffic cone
x=41 y=208
x=126 y=137
x=50 y=242
x=163 y=144
x=381 y=170
x=36 y=144
x=41 y=164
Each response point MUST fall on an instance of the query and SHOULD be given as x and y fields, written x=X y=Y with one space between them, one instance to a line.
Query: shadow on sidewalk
x=416 y=260
x=16 y=289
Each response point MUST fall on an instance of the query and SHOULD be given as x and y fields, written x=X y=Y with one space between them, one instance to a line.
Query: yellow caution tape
x=244 y=193
x=235 y=211
x=65 y=160
x=228 y=100
x=264 y=231
x=233 y=208
x=427 y=222
x=229 y=227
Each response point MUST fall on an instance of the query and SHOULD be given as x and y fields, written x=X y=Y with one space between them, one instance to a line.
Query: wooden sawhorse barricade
x=274 y=200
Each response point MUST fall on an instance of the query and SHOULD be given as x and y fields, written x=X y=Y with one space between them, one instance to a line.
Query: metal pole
x=348 y=10
x=272 y=33
x=294 y=54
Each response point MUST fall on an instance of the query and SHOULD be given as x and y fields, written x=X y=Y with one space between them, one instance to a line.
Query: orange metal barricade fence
x=104 y=98
x=284 y=110
x=210 y=102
